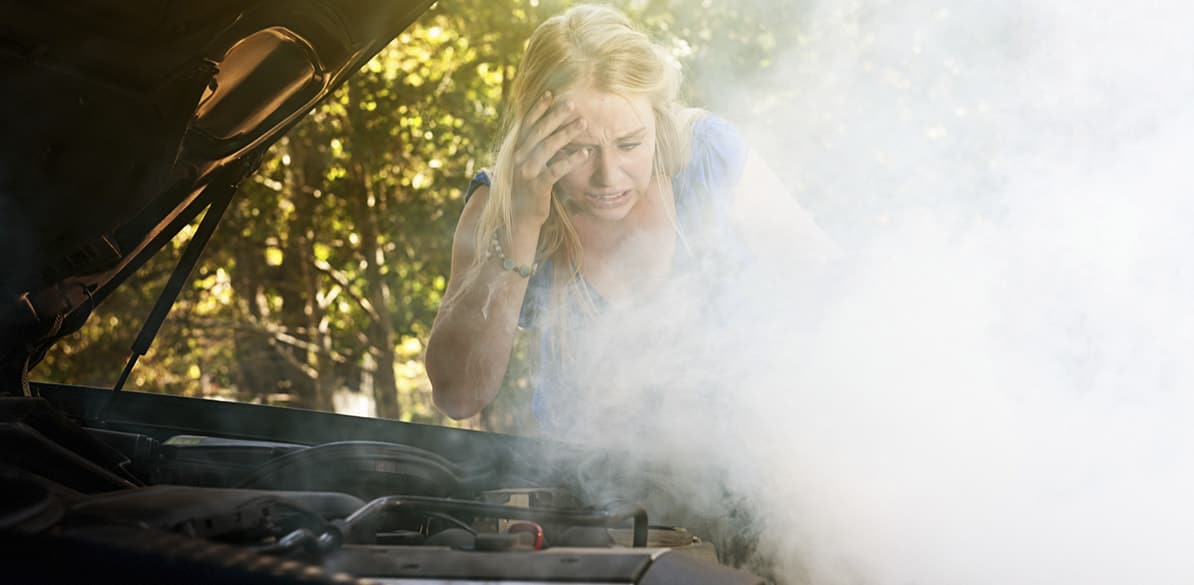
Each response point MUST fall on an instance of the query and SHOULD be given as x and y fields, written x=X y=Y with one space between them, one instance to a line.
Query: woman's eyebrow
x=631 y=135
x=634 y=133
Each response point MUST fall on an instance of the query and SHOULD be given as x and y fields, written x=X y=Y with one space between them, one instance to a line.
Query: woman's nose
x=606 y=168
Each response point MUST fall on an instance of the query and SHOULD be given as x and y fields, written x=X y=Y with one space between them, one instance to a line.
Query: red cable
x=531 y=528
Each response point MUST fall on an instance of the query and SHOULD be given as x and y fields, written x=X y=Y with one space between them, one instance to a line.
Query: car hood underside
x=123 y=120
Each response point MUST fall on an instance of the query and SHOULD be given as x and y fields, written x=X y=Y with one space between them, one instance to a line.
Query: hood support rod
x=178 y=279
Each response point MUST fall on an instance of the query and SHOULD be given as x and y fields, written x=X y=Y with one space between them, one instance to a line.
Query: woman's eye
x=630 y=145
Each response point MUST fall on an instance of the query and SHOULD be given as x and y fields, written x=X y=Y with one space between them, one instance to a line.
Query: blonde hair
x=594 y=47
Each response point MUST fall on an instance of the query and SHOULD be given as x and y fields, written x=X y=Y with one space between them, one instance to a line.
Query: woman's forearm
x=473 y=335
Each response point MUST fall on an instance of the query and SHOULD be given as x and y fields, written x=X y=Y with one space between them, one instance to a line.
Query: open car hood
x=124 y=119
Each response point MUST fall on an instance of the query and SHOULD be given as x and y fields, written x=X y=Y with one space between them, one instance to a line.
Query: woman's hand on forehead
x=549 y=126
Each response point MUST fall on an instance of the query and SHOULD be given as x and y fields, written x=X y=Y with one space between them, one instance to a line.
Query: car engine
x=84 y=501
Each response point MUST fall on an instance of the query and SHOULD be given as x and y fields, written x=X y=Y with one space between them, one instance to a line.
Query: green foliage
x=325 y=275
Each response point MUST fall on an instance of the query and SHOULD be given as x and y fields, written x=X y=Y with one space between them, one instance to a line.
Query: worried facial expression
x=620 y=142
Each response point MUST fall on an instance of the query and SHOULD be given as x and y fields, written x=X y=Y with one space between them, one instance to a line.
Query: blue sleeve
x=481 y=178
x=719 y=154
x=706 y=185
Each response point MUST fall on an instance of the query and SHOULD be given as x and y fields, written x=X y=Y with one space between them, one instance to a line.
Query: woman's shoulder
x=717 y=149
x=710 y=130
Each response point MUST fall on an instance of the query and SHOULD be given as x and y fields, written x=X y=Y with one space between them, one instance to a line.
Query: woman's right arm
x=473 y=334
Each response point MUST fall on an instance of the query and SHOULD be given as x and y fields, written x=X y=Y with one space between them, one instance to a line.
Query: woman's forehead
x=611 y=115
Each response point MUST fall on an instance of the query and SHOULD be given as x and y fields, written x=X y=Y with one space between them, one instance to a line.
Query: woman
x=603 y=187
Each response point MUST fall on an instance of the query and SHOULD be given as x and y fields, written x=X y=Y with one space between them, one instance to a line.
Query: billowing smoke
x=993 y=381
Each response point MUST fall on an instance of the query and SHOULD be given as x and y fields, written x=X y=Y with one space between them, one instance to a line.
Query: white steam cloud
x=995 y=382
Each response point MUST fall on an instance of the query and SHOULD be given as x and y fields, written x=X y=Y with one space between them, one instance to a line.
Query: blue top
x=703 y=191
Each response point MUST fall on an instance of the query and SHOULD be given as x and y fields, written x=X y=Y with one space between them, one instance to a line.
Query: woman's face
x=620 y=139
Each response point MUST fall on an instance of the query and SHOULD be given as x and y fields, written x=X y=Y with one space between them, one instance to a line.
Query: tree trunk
x=381 y=330
x=296 y=283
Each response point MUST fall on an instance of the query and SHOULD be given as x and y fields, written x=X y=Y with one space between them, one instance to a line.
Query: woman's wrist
x=508 y=263
x=521 y=244
x=529 y=215
x=529 y=222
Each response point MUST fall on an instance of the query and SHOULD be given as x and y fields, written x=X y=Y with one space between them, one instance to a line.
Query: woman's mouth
x=611 y=199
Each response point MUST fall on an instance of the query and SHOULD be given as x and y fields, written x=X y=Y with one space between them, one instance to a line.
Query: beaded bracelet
x=495 y=249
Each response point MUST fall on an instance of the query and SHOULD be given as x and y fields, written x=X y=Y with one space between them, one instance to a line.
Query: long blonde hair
x=596 y=47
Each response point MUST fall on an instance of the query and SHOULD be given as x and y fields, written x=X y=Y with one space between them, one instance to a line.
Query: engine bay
x=173 y=506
